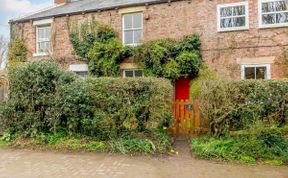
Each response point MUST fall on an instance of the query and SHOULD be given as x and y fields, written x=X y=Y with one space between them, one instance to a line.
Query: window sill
x=40 y=54
x=273 y=26
x=233 y=30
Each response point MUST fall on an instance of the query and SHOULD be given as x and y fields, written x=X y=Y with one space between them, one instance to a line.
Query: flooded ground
x=38 y=164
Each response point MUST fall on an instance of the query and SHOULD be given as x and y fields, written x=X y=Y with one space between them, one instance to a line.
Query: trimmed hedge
x=235 y=105
x=44 y=98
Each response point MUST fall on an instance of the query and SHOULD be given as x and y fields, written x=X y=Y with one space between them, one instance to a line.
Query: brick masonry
x=220 y=49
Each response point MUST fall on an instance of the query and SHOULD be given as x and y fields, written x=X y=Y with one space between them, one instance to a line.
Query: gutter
x=99 y=9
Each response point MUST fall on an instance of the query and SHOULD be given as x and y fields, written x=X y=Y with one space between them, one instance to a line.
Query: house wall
x=220 y=49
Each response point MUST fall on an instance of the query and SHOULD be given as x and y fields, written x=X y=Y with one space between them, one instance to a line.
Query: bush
x=237 y=104
x=261 y=142
x=113 y=107
x=18 y=50
x=170 y=58
x=32 y=91
x=44 y=98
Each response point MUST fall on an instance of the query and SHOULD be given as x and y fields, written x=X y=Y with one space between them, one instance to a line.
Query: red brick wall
x=220 y=49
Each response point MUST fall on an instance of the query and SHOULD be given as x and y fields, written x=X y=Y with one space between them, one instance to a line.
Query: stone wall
x=220 y=49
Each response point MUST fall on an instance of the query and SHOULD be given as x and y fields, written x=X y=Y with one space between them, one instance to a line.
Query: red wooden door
x=182 y=88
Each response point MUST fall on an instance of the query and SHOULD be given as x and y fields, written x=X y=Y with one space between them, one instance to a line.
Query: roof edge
x=92 y=10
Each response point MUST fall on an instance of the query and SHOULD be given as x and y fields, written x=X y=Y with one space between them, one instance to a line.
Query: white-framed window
x=256 y=71
x=133 y=28
x=273 y=13
x=79 y=69
x=132 y=73
x=233 y=16
x=43 y=40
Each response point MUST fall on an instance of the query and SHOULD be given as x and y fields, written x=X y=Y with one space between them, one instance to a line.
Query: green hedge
x=44 y=98
x=237 y=104
x=112 y=107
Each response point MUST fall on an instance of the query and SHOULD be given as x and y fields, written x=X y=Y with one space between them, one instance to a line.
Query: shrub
x=261 y=142
x=32 y=91
x=237 y=104
x=18 y=50
x=112 y=107
x=170 y=58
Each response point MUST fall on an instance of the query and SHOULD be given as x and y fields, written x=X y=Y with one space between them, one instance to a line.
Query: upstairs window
x=233 y=16
x=135 y=73
x=261 y=71
x=273 y=13
x=43 y=42
x=133 y=29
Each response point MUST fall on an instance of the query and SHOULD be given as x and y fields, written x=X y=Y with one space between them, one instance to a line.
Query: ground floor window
x=259 y=71
x=134 y=73
x=79 y=69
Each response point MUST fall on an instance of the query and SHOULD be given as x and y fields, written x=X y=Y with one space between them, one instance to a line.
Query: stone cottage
x=245 y=39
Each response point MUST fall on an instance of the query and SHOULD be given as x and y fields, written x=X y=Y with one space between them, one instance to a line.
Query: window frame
x=132 y=29
x=219 y=6
x=38 y=53
x=261 y=25
x=79 y=68
x=267 y=66
x=125 y=70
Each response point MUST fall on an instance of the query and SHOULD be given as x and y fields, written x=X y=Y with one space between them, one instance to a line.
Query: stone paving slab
x=37 y=164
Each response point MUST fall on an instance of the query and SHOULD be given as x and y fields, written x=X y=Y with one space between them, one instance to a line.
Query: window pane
x=260 y=72
x=268 y=7
x=239 y=22
x=128 y=21
x=281 y=5
x=137 y=36
x=138 y=73
x=43 y=47
x=226 y=11
x=282 y=17
x=239 y=10
x=137 y=20
x=128 y=37
x=250 y=73
x=226 y=23
x=268 y=18
x=129 y=73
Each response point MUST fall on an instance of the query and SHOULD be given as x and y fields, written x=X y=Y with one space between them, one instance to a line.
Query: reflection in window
x=233 y=16
x=274 y=12
x=133 y=29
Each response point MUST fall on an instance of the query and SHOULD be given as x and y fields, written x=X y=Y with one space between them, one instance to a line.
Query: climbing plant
x=98 y=44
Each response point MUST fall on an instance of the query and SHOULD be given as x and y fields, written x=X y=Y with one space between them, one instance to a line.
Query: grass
x=268 y=145
x=61 y=140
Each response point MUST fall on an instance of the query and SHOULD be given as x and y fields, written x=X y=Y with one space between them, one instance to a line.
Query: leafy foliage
x=170 y=58
x=44 y=98
x=97 y=43
x=167 y=58
x=112 y=107
x=261 y=142
x=237 y=104
x=32 y=91
x=18 y=50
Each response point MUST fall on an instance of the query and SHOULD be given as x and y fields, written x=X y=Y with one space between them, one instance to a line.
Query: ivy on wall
x=98 y=44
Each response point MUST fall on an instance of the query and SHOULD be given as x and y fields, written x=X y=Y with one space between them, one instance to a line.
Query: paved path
x=37 y=164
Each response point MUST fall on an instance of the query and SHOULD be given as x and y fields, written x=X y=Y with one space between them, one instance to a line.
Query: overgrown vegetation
x=98 y=44
x=248 y=121
x=18 y=50
x=43 y=98
x=260 y=143
x=235 y=105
